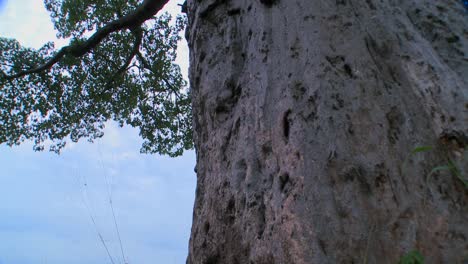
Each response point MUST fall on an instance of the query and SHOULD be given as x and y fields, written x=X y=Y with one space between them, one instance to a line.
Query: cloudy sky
x=47 y=201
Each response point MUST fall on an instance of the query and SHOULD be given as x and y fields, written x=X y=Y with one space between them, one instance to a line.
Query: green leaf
x=439 y=168
x=454 y=169
x=421 y=149
x=412 y=257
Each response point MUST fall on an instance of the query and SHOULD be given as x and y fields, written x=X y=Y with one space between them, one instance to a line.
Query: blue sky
x=46 y=200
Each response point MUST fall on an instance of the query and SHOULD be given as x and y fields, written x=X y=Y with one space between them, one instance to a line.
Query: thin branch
x=144 y=62
x=130 y=21
x=136 y=48
x=138 y=32
x=150 y=68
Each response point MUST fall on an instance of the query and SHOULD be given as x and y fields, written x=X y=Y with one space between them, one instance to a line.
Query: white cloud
x=28 y=22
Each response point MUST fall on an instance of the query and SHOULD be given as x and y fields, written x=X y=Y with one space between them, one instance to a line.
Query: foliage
x=412 y=257
x=450 y=166
x=75 y=18
x=129 y=77
x=421 y=149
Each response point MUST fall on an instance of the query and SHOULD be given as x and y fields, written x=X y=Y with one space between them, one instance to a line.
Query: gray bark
x=305 y=115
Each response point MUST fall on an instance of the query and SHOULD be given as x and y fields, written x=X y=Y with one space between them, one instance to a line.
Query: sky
x=48 y=202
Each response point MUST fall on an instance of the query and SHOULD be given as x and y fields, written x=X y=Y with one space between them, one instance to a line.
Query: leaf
x=414 y=151
x=440 y=168
x=412 y=257
x=436 y=169
x=421 y=149
x=454 y=169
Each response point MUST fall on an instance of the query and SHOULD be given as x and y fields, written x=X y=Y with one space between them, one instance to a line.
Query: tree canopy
x=118 y=66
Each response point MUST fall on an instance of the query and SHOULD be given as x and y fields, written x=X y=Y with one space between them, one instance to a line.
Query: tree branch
x=138 y=32
x=130 y=21
x=150 y=68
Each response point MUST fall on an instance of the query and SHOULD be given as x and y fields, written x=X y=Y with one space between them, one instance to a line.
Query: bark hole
x=381 y=178
x=357 y=173
x=231 y=210
x=286 y=125
x=283 y=180
x=335 y=60
x=268 y=3
x=206 y=227
x=213 y=259
x=202 y=56
x=261 y=220
x=456 y=139
x=233 y=12
x=348 y=70
x=371 y=5
x=267 y=149
x=323 y=246
x=395 y=120
x=240 y=172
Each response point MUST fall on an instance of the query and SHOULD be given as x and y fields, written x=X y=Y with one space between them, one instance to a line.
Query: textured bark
x=305 y=115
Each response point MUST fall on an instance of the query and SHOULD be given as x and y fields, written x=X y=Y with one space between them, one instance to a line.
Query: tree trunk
x=306 y=114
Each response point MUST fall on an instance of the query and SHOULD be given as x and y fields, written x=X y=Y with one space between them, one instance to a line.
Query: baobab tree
x=325 y=132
